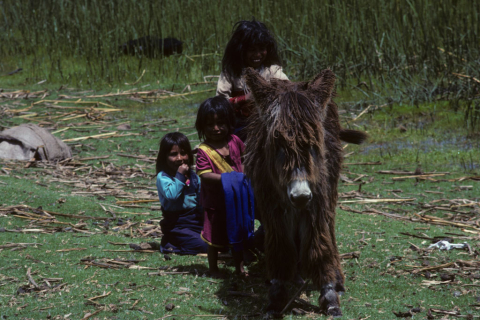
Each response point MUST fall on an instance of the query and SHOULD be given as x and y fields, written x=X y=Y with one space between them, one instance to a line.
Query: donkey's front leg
x=277 y=296
x=322 y=262
x=281 y=259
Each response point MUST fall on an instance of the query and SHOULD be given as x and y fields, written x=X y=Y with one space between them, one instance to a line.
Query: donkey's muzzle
x=299 y=193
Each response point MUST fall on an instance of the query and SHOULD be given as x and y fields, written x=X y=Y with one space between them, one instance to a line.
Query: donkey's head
x=287 y=135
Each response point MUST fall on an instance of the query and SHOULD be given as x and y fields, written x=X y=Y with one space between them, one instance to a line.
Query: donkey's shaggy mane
x=287 y=130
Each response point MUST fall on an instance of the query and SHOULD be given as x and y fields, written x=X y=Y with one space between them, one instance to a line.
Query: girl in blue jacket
x=178 y=190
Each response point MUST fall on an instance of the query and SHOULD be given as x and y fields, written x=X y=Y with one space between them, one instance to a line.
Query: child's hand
x=183 y=169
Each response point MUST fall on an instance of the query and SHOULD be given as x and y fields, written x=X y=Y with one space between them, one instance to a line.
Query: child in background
x=220 y=153
x=178 y=190
x=251 y=45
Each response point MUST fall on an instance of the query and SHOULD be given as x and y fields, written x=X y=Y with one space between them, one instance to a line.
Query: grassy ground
x=397 y=44
x=413 y=68
x=64 y=256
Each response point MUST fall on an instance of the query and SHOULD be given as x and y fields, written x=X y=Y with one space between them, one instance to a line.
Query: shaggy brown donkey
x=293 y=158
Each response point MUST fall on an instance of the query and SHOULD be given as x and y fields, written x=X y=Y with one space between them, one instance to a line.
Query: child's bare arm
x=210 y=177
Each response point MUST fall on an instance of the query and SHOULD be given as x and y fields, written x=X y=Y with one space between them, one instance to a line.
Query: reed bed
x=408 y=49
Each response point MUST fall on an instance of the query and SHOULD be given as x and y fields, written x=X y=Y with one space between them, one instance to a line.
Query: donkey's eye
x=313 y=153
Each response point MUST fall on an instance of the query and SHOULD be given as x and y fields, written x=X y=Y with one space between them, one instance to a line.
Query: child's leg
x=238 y=258
x=212 y=255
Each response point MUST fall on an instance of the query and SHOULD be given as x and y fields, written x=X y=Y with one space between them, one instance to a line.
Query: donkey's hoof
x=329 y=302
x=334 y=311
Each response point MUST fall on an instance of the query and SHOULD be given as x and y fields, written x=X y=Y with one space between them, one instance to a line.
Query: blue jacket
x=174 y=194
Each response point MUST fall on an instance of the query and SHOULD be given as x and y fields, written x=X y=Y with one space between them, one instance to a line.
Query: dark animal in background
x=152 y=47
x=15 y=71
x=293 y=160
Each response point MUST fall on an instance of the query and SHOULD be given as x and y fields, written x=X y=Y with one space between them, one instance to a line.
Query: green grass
x=412 y=47
x=383 y=53
x=376 y=284
x=396 y=52
x=375 y=288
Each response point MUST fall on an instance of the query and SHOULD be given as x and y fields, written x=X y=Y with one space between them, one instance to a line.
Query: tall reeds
x=384 y=43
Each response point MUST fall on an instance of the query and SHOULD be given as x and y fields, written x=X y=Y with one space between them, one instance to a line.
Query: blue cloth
x=240 y=209
x=182 y=220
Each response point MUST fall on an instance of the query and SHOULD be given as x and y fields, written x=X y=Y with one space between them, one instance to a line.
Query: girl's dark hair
x=166 y=144
x=217 y=105
x=248 y=34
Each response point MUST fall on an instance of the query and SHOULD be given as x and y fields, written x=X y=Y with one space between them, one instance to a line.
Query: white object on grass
x=445 y=245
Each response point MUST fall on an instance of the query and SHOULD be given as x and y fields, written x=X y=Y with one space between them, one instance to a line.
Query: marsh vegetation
x=408 y=73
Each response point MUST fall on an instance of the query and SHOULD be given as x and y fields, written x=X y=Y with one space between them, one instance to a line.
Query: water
x=428 y=145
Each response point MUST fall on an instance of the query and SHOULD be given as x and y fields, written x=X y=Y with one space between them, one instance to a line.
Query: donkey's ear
x=323 y=87
x=261 y=88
